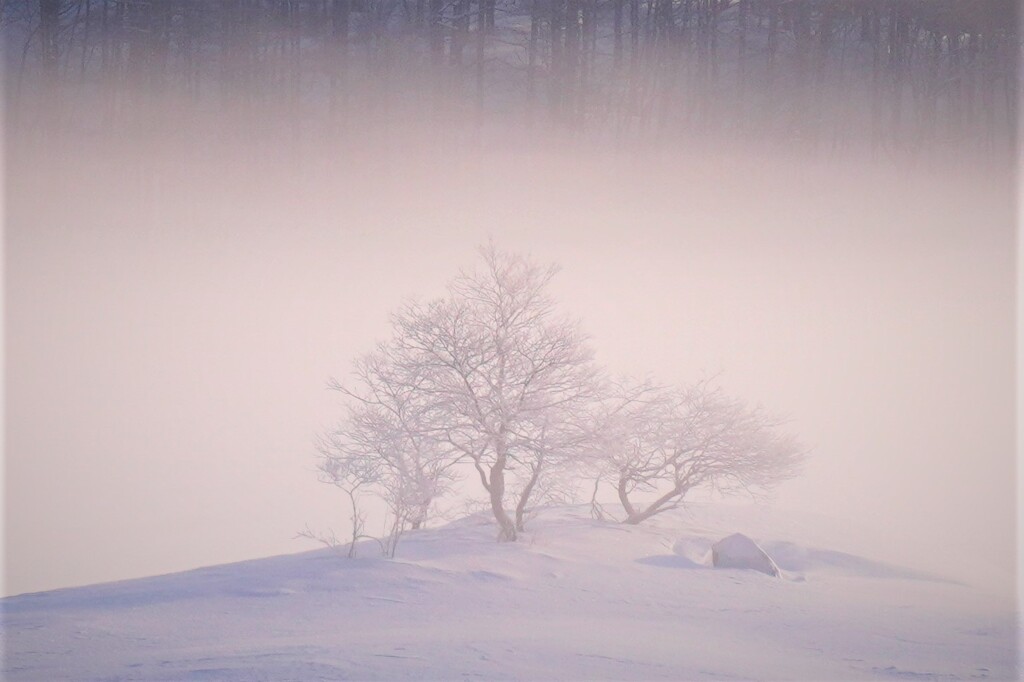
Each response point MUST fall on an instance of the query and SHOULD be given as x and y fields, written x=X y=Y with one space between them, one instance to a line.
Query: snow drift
x=574 y=599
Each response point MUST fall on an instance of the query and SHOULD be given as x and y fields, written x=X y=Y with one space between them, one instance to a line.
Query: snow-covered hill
x=576 y=599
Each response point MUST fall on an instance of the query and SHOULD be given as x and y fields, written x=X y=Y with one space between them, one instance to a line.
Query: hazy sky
x=169 y=335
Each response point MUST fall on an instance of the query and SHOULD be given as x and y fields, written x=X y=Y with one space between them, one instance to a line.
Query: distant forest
x=894 y=75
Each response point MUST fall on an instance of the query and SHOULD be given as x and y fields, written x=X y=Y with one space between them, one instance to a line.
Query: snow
x=574 y=599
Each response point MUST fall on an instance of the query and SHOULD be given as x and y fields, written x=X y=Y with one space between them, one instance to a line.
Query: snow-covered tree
x=354 y=475
x=666 y=443
x=508 y=377
x=491 y=376
x=389 y=441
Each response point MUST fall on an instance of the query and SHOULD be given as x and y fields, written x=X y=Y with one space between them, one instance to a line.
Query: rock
x=739 y=551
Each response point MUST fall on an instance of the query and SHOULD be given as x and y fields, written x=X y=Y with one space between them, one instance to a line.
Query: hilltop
x=577 y=598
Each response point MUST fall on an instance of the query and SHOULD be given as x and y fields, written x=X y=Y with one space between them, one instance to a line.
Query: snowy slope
x=576 y=599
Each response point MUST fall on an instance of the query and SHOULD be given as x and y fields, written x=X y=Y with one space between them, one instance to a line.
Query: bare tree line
x=896 y=73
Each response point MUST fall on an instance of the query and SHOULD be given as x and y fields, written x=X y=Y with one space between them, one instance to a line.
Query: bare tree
x=546 y=470
x=394 y=420
x=492 y=376
x=49 y=27
x=388 y=443
x=669 y=442
x=506 y=375
x=351 y=473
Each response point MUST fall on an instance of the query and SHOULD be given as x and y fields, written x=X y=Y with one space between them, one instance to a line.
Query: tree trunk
x=531 y=61
x=341 y=11
x=506 y=527
x=525 y=498
x=634 y=33
x=461 y=34
x=436 y=31
x=556 y=74
x=624 y=499
x=481 y=53
x=49 y=20
x=489 y=6
x=617 y=31
x=633 y=516
x=570 y=65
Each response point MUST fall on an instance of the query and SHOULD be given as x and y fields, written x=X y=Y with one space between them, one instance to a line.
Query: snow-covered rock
x=739 y=551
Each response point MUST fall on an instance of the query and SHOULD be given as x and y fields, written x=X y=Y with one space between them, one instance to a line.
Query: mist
x=171 y=331
x=210 y=211
x=276 y=276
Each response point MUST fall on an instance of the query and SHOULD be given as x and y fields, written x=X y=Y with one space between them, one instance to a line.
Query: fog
x=211 y=209
x=174 y=311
